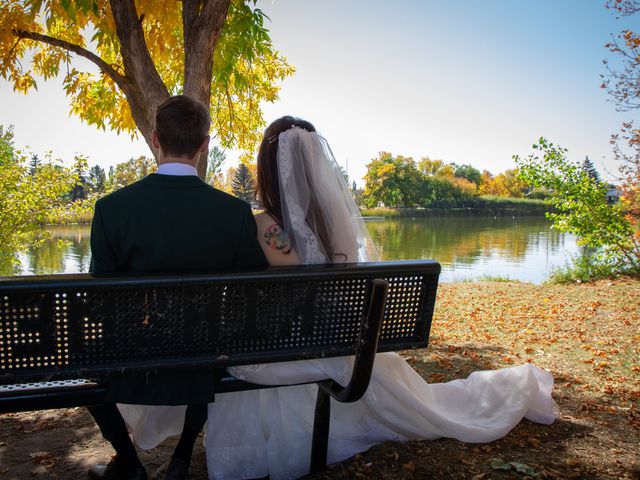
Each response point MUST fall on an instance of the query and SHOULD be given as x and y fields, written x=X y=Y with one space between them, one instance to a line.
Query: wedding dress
x=252 y=434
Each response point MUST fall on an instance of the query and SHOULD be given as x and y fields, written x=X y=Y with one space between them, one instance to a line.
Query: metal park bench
x=62 y=335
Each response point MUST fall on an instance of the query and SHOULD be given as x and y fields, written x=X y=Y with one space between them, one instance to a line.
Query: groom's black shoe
x=176 y=469
x=113 y=471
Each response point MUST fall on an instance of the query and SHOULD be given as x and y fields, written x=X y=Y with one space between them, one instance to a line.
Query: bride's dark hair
x=268 y=184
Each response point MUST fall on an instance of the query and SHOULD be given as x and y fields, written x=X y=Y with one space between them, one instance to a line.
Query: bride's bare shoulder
x=274 y=241
x=263 y=217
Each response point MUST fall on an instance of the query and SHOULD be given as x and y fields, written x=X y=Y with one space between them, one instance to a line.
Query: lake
x=524 y=248
x=520 y=248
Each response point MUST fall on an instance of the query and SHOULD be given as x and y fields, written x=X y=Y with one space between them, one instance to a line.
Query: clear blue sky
x=465 y=81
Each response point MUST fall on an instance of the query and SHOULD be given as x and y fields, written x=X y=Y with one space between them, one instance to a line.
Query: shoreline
x=376 y=216
x=443 y=213
x=467 y=207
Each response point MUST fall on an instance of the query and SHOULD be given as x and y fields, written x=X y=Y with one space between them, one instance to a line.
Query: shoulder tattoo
x=277 y=238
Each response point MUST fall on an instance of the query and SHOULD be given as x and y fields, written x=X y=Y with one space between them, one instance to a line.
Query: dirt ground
x=587 y=336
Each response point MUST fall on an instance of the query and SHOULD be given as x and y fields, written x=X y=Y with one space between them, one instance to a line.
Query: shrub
x=581 y=206
x=587 y=267
x=27 y=198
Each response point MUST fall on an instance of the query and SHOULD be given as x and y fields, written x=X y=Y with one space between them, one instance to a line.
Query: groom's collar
x=177 y=169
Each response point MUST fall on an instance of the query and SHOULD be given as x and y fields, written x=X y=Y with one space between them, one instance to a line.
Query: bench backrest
x=70 y=326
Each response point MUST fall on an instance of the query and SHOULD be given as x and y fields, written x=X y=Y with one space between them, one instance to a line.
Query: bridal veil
x=318 y=210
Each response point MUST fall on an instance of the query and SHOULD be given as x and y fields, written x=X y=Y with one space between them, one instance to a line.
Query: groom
x=170 y=221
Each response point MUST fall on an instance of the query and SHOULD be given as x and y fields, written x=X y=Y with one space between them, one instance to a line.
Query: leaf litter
x=587 y=335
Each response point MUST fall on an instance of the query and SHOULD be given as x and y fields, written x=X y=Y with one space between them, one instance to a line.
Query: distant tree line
x=397 y=181
x=401 y=182
x=93 y=182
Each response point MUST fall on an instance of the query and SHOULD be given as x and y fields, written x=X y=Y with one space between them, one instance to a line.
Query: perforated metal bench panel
x=79 y=326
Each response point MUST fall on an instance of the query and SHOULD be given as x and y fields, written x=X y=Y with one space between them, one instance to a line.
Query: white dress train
x=253 y=434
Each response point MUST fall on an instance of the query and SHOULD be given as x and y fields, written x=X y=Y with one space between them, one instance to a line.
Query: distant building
x=613 y=195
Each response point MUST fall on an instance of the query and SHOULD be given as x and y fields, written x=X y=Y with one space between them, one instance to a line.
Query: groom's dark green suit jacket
x=166 y=223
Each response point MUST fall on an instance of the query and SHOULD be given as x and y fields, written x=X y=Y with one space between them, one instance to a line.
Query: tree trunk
x=202 y=23
x=144 y=89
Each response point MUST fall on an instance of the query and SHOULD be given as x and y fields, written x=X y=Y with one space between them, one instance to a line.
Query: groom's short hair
x=182 y=124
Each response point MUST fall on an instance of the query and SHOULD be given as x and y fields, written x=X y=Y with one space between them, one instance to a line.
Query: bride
x=310 y=217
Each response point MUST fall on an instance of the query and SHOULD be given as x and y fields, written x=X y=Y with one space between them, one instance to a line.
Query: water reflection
x=518 y=248
x=67 y=251
x=470 y=247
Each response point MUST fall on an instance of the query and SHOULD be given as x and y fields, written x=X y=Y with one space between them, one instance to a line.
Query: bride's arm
x=274 y=241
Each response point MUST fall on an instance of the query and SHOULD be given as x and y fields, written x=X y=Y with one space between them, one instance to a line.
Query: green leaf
x=499 y=464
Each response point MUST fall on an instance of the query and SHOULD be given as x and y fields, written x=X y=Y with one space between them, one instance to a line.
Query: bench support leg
x=320 y=441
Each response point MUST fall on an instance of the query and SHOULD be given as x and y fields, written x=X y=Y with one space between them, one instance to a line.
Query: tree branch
x=15 y=45
x=77 y=49
x=211 y=13
x=146 y=89
x=230 y=106
x=190 y=12
x=138 y=65
x=200 y=38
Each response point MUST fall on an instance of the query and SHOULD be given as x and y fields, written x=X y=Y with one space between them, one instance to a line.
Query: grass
x=75 y=216
x=381 y=212
x=587 y=335
x=489 y=278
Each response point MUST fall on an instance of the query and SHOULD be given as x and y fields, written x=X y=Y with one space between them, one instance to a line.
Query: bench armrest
x=357 y=386
x=366 y=350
